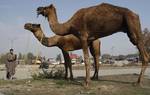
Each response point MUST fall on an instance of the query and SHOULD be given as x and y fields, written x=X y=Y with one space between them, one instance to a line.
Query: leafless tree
x=146 y=38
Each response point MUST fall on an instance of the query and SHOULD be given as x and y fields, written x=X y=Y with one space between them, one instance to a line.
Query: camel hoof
x=66 y=78
x=138 y=84
x=71 y=78
x=86 y=85
x=94 y=78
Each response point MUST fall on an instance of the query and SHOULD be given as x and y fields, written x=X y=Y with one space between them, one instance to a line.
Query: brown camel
x=66 y=43
x=97 y=22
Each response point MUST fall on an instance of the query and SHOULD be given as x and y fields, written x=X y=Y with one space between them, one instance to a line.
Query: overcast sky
x=15 y=13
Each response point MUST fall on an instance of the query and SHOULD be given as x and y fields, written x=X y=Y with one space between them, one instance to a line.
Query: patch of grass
x=15 y=82
x=9 y=93
x=61 y=82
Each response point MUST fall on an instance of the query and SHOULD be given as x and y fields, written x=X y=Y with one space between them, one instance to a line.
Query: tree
x=106 y=56
x=20 y=56
x=132 y=55
x=3 y=58
x=146 y=39
x=121 y=57
x=80 y=59
x=58 y=58
x=30 y=56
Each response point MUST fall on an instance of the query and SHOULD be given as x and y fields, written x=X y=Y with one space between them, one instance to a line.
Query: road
x=24 y=72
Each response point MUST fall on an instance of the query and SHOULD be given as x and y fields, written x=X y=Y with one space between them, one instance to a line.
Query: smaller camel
x=66 y=43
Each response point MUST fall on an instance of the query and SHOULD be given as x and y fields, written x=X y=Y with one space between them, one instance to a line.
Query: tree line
x=27 y=58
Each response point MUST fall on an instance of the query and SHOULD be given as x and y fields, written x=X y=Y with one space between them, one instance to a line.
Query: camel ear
x=39 y=25
x=51 y=5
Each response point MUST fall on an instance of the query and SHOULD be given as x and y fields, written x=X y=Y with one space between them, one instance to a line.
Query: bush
x=55 y=73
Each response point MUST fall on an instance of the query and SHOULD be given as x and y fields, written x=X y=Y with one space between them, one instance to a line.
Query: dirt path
x=25 y=72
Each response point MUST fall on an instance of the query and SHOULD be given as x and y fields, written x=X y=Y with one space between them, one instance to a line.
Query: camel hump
x=111 y=6
x=105 y=4
x=123 y=9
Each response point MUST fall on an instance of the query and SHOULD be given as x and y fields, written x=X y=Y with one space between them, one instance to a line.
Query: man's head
x=11 y=50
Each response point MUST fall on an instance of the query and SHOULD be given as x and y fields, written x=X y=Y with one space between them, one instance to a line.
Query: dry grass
x=108 y=85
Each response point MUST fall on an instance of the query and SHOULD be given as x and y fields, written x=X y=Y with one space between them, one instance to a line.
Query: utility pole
x=12 y=42
x=112 y=51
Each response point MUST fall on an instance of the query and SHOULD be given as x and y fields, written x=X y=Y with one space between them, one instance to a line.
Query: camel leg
x=95 y=52
x=67 y=65
x=86 y=59
x=70 y=69
x=135 y=35
x=66 y=70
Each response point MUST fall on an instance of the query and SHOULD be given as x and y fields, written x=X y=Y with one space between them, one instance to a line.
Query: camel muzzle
x=40 y=10
x=27 y=25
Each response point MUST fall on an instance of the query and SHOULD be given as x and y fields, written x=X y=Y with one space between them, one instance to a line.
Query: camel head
x=32 y=27
x=45 y=11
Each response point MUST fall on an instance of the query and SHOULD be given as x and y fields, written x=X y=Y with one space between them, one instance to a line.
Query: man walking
x=11 y=64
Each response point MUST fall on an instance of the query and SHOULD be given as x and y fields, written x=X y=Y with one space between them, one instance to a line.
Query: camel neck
x=46 y=41
x=38 y=34
x=52 y=19
x=57 y=28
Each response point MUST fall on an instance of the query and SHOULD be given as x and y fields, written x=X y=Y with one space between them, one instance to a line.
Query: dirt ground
x=106 y=85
